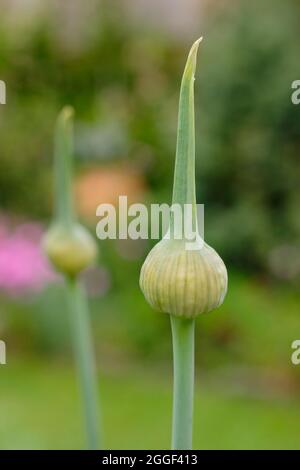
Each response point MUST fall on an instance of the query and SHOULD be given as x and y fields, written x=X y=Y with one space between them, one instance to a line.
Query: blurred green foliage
x=254 y=328
x=248 y=175
x=247 y=128
x=124 y=83
x=249 y=138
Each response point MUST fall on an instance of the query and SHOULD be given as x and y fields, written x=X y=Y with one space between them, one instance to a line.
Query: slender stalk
x=79 y=313
x=183 y=388
x=184 y=193
x=63 y=155
x=82 y=343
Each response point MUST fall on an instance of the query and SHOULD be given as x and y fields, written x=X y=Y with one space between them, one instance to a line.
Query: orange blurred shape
x=104 y=185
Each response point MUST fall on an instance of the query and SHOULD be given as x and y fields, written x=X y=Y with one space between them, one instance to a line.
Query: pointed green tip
x=184 y=176
x=66 y=115
x=190 y=67
x=195 y=46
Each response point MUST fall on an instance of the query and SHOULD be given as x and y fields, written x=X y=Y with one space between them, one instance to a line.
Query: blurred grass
x=246 y=393
x=40 y=409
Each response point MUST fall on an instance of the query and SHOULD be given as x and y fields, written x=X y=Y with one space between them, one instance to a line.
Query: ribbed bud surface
x=70 y=250
x=183 y=282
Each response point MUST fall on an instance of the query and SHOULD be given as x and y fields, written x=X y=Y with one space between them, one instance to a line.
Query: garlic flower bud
x=68 y=245
x=70 y=250
x=174 y=279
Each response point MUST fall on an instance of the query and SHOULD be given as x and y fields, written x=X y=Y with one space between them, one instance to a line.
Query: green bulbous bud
x=174 y=279
x=183 y=282
x=70 y=249
x=68 y=245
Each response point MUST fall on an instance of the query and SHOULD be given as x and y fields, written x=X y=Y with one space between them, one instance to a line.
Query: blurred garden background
x=120 y=64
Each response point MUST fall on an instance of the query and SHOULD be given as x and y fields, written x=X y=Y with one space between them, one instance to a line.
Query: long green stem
x=79 y=316
x=183 y=389
x=184 y=193
x=63 y=155
x=65 y=219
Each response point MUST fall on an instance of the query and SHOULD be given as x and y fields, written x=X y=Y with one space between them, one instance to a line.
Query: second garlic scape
x=174 y=279
x=69 y=246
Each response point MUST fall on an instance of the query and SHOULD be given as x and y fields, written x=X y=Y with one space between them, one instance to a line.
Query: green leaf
x=184 y=176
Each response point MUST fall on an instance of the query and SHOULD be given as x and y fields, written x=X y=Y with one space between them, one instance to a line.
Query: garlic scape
x=71 y=248
x=178 y=280
x=175 y=279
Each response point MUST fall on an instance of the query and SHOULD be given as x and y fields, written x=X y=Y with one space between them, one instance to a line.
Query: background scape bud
x=68 y=245
x=71 y=248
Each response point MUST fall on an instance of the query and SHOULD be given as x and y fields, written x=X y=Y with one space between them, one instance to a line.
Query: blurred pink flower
x=23 y=266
